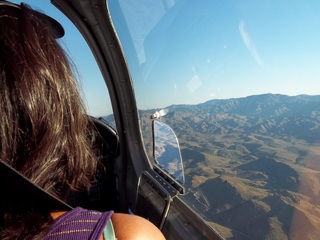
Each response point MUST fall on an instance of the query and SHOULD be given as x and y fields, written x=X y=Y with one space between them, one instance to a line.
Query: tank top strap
x=79 y=223
x=108 y=232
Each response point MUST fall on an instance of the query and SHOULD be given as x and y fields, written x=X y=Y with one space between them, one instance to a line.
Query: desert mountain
x=251 y=164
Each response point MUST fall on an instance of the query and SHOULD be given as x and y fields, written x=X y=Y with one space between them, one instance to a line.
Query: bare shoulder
x=132 y=227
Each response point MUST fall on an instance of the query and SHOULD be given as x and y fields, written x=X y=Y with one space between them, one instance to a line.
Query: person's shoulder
x=132 y=227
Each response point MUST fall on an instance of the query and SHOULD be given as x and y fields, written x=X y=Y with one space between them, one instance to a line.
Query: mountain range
x=251 y=164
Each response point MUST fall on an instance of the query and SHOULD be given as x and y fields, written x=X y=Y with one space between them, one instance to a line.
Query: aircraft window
x=239 y=83
x=91 y=83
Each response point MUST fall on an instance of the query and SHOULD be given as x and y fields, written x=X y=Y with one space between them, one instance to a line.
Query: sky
x=188 y=52
x=202 y=50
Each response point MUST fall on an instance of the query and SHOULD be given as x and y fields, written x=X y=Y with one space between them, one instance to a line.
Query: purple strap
x=79 y=223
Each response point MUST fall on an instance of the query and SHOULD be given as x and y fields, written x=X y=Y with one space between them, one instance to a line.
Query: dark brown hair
x=43 y=123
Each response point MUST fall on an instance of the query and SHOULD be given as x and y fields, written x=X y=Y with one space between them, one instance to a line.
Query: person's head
x=43 y=123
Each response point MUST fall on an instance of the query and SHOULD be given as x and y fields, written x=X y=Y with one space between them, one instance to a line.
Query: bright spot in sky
x=194 y=84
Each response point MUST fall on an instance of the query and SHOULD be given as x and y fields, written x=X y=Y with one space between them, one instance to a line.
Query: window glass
x=239 y=82
x=91 y=83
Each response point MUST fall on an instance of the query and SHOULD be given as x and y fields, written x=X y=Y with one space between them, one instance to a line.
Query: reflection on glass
x=167 y=151
x=240 y=83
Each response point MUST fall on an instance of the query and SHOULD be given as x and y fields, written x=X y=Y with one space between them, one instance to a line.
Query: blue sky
x=222 y=49
x=191 y=53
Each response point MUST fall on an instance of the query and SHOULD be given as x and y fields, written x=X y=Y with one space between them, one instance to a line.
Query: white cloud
x=248 y=43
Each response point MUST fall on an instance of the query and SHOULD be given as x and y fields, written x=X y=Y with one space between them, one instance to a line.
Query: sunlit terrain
x=251 y=164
